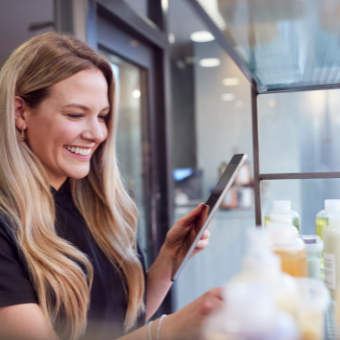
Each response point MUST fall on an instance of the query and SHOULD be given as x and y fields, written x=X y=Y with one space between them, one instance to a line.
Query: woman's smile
x=79 y=150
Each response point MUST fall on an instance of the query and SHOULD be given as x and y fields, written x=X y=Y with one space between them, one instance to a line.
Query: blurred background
x=185 y=108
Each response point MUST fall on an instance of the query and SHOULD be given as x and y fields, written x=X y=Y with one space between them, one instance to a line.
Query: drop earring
x=23 y=135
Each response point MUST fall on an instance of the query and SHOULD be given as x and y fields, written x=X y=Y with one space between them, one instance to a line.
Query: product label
x=330 y=271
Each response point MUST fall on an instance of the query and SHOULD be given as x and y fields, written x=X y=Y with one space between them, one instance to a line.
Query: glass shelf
x=285 y=44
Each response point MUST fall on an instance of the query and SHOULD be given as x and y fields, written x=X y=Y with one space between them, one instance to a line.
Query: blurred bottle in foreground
x=313 y=302
x=250 y=314
x=261 y=265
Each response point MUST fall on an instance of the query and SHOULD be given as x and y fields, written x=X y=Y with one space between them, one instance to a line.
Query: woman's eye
x=75 y=115
x=104 y=117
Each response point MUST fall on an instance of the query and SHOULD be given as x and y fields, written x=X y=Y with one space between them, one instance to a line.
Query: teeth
x=79 y=151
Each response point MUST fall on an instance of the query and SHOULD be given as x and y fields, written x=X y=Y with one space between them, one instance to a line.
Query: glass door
x=132 y=137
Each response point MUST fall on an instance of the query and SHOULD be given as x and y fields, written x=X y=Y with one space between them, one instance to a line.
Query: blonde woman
x=70 y=267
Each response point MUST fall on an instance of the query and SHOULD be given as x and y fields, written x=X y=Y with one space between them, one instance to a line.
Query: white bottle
x=282 y=208
x=331 y=254
x=249 y=313
x=263 y=266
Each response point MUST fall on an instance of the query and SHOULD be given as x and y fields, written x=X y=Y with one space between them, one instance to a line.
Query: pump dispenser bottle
x=250 y=314
x=291 y=249
x=261 y=265
x=280 y=210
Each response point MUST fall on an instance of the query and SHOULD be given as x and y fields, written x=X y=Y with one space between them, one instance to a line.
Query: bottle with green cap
x=332 y=208
x=282 y=210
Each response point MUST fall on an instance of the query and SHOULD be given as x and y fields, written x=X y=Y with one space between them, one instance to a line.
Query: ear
x=20 y=111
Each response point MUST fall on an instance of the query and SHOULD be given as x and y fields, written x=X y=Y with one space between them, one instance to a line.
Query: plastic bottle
x=292 y=250
x=261 y=265
x=282 y=208
x=314 y=300
x=332 y=207
x=331 y=253
x=250 y=314
x=314 y=250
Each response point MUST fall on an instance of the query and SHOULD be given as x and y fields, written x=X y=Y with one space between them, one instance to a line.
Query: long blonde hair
x=62 y=286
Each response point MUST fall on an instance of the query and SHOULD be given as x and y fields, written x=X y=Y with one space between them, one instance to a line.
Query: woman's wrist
x=165 y=328
x=162 y=266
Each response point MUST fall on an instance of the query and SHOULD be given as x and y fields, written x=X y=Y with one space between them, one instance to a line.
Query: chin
x=78 y=174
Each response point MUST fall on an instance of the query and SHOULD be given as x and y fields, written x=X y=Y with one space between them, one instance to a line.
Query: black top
x=108 y=302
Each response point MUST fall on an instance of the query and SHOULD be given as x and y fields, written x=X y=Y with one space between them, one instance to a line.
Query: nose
x=95 y=131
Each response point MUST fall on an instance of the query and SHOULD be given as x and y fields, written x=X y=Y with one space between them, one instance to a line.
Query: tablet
x=214 y=201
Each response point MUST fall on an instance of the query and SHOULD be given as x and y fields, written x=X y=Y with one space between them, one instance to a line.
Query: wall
x=15 y=18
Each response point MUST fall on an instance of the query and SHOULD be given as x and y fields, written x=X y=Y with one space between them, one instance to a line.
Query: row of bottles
x=265 y=303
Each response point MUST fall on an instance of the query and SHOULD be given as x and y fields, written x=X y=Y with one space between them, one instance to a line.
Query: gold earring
x=22 y=135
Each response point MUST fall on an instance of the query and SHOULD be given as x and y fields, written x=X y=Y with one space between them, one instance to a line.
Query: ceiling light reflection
x=272 y=103
x=228 y=97
x=210 y=62
x=171 y=38
x=231 y=81
x=136 y=93
x=202 y=36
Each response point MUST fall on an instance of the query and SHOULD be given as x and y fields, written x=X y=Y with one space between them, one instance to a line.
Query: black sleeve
x=15 y=285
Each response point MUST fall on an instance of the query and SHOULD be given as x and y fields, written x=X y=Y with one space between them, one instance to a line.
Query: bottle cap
x=282 y=233
x=313 y=243
x=332 y=205
x=282 y=205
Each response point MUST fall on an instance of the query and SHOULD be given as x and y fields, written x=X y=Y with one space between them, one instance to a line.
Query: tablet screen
x=214 y=201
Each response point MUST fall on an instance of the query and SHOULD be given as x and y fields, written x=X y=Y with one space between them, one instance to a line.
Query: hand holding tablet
x=200 y=224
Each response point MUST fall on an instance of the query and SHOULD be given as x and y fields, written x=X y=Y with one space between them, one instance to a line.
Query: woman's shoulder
x=15 y=285
x=6 y=231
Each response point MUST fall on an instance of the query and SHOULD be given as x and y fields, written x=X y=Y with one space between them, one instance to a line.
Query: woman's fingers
x=201 y=245
x=192 y=216
x=205 y=235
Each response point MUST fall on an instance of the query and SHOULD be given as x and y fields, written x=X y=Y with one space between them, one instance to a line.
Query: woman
x=69 y=263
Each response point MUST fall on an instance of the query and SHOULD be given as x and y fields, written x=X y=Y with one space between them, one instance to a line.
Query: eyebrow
x=82 y=107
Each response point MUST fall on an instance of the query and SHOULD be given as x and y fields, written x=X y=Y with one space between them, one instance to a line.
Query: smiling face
x=68 y=126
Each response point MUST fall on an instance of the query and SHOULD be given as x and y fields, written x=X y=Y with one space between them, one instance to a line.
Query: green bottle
x=332 y=208
x=282 y=209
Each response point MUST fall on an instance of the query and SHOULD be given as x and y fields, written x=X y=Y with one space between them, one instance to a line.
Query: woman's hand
x=184 y=232
x=188 y=323
x=178 y=240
